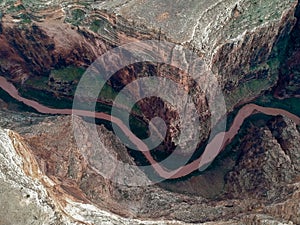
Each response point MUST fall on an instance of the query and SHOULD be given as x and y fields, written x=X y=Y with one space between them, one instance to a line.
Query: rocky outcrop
x=287 y=135
x=240 y=41
x=42 y=50
x=65 y=189
x=268 y=169
x=44 y=174
x=288 y=83
x=29 y=197
x=263 y=167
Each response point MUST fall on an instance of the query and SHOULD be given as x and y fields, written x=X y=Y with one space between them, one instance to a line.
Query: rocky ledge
x=242 y=42
x=46 y=178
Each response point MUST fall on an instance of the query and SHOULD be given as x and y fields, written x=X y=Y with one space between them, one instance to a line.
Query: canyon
x=211 y=151
x=252 y=49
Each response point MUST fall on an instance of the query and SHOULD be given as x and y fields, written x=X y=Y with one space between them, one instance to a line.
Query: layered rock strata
x=239 y=40
x=57 y=184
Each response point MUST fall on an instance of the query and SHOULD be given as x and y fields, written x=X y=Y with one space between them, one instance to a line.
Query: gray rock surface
x=267 y=170
x=240 y=40
x=27 y=196
x=64 y=191
x=44 y=179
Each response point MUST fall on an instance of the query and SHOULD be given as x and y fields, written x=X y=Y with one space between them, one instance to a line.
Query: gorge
x=246 y=174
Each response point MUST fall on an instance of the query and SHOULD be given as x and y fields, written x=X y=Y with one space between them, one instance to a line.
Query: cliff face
x=276 y=179
x=45 y=176
x=44 y=46
x=50 y=182
x=288 y=84
x=28 y=196
x=240 y=41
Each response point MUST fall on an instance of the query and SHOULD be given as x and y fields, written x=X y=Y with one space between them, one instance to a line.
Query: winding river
x=210 y=152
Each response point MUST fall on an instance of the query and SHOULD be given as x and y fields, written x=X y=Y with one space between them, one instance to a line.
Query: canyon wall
x=241 y=42
x=44 y=176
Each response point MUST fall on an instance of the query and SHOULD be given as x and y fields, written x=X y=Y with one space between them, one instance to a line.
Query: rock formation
x=251 y=47
x=241 y=42
x=56 y=183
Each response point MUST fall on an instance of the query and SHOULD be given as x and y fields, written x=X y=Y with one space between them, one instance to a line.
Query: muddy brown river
x=211 y=151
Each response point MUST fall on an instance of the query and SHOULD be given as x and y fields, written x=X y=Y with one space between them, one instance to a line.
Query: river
x=209 y=154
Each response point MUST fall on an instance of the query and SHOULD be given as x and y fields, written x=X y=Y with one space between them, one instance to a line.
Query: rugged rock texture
x=240 y=41
x=268 y=169
x=29 y=197
x=252 y=179
x=31 y=194
x=288 y=84
x=46 y=165
x=44 y=176
x=287 y=135
x=237 y=38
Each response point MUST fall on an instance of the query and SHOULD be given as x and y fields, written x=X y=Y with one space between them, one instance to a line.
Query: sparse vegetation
x=96 y=25
x=77 y=16
x=290 y=104
x=68 y=74
x=14 y=8
x=25 y=18
x=248 y=89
